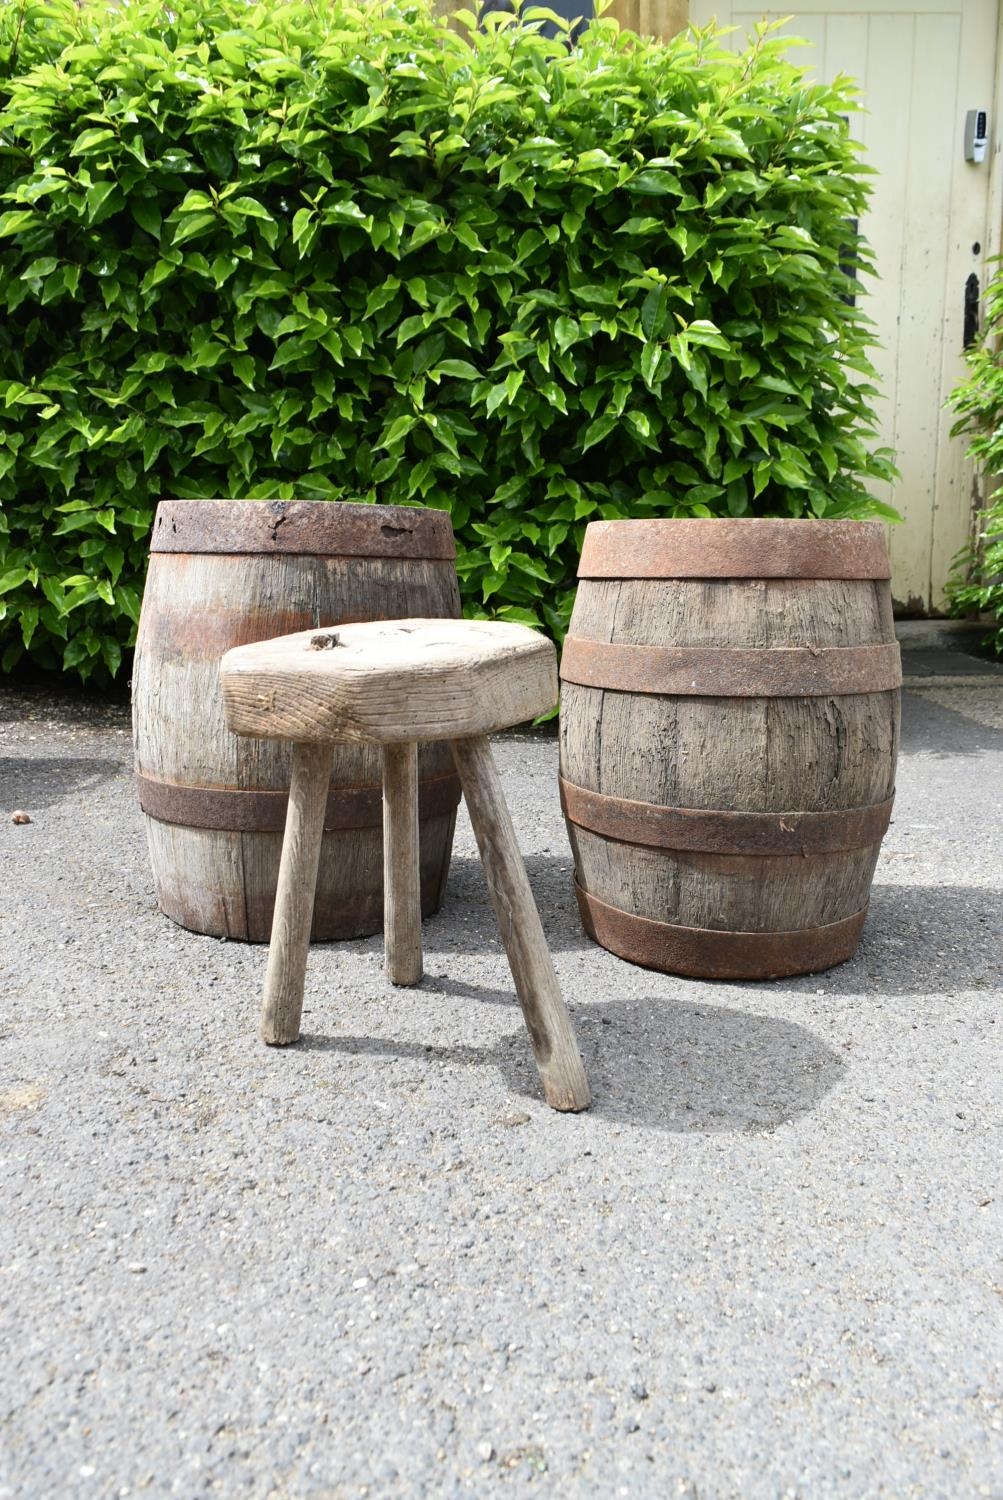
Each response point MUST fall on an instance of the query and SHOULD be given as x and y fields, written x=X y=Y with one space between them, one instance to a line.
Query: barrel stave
x=755 y=612
x=747 y=754
x=725 y=892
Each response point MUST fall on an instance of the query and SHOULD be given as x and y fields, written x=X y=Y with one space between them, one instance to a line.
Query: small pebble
x=136 y=1267
x=19 y=817
x=485 y=1452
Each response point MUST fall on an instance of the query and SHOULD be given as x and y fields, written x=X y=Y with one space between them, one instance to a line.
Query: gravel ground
x=767 y=1263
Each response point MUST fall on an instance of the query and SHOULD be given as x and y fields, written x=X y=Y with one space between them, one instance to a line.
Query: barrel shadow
x=671 y=1065
x=917 y=939
x=39 y=781
x=922 y=940
x=928 y=728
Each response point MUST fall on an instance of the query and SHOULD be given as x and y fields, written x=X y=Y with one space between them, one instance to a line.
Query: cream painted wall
x=934 y=220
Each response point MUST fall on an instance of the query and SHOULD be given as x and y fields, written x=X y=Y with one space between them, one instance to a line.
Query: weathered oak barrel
x=224 y=573
x=729 y=731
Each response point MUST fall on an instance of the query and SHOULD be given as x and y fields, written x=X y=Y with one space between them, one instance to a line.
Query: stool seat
x=393 y=683
x=390 y=682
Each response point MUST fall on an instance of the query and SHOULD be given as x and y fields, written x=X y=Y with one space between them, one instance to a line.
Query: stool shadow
x=441 y=984
x=37 y=782
x=551 y=878
x=670 y=1065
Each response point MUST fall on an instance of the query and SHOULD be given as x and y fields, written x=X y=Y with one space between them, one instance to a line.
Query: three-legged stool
x=394 y=683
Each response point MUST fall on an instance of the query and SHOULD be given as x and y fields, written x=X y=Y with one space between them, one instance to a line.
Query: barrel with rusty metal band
x=224 y=573
x=729 y=733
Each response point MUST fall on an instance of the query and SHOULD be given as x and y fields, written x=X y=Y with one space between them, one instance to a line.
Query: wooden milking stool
x=393 y=683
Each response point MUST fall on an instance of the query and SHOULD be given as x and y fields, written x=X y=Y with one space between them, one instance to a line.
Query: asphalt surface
x=766 y=1264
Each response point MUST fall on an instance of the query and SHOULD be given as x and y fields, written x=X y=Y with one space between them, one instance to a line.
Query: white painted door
x=921 y=64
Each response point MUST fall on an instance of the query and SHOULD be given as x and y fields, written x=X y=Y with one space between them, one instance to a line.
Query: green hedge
x=345 y=252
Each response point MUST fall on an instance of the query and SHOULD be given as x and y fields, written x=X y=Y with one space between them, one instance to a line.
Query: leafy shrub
x=344 y=251
x=976 y=584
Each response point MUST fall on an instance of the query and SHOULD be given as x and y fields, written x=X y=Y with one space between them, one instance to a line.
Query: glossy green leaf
x=285 y=253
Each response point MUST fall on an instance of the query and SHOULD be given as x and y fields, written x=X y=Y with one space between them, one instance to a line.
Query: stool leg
x=294 y=898
x=401 y=876
x=557 y=1057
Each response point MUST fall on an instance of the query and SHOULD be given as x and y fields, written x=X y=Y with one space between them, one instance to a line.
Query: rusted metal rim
x=734 y=549
x=714 y=831
x=235 y=811
x=320 y=528
x=701 y=953
x=729 y=672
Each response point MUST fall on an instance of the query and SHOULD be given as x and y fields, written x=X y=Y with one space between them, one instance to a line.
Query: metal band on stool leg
x=557 y=1057
x=294 y=898
x=401 y=880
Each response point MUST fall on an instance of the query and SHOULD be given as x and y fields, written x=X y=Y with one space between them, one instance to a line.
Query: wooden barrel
x=224 y=573
x=729 y=731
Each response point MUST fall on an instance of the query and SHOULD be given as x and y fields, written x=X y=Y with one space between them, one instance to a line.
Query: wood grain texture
x=401 y=893
x=772 y=893
x=197 y=607
x=562 y=1073
x=282 y=1007
x=764 y=754
x=391 y=681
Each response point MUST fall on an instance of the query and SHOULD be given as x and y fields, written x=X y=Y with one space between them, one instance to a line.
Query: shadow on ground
x=931 y=729
x=687 y=1065
x=926 y=940
x=669 y=1064
x=918 y=939
x=36 y=782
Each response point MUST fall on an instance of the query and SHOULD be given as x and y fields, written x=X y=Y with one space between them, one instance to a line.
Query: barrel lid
x=323 y=528
x=739 y=548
